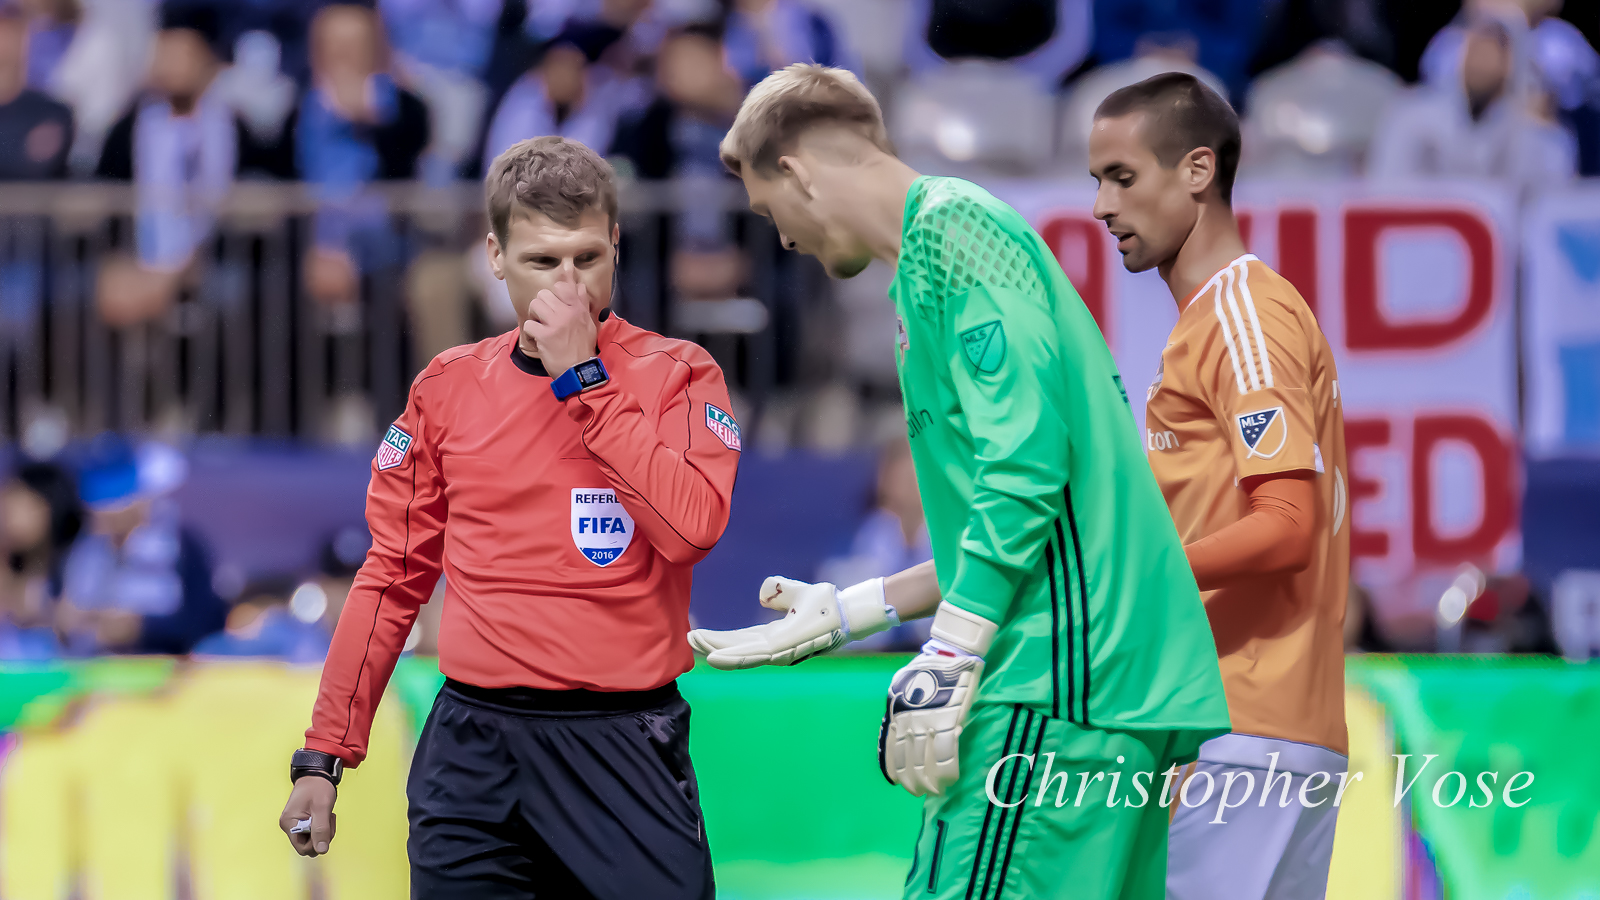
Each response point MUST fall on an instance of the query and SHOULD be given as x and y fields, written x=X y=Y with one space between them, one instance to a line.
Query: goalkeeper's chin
x=847 y=267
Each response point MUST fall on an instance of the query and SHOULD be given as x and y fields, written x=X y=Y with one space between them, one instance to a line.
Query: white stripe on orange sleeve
x=1227 y=337
x=1255 y=322
x=1243 y=333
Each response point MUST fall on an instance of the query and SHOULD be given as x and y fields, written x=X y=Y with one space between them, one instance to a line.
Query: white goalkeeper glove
x=919 y=743
x=818 y=618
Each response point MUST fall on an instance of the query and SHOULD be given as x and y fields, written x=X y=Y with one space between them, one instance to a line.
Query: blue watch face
x=590 y=373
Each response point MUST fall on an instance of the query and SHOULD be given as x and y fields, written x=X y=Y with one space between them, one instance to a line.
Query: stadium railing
x=245 y=350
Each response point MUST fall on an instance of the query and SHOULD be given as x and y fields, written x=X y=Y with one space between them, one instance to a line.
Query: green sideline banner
x=127 y=778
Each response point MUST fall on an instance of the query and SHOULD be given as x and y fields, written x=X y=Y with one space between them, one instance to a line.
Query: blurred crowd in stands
x=183 y=99
x=201 y=92
x=99 y=560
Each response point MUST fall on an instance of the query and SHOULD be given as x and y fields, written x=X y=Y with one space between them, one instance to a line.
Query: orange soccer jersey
x=1247 y=387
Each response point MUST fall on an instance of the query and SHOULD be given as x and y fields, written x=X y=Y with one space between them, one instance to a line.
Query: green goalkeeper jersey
x=1042 y=510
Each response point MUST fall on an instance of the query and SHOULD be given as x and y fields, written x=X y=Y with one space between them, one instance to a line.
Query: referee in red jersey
x=564 y=477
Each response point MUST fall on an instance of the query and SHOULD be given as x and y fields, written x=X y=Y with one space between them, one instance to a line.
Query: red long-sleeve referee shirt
x=566 y=531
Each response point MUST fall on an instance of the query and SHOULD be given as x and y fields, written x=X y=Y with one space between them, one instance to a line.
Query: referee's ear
x=616 y=272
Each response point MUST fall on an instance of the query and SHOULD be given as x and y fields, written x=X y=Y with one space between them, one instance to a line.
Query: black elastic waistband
x=579 y=700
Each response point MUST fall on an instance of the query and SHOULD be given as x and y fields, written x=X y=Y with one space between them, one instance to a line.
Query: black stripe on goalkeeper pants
x=997 y=848
x=556 y=795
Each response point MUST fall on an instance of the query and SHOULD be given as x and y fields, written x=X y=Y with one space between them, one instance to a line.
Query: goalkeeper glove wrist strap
x=937 y=647
x=863 y=610
x=963 y=630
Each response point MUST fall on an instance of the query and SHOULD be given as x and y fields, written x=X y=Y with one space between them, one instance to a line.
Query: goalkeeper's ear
x=800 y=170
x=959 y=628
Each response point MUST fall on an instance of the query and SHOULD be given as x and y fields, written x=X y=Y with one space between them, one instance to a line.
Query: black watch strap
x=315 y=762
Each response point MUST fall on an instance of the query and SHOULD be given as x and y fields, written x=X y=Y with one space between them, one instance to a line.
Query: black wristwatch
x=315 y=762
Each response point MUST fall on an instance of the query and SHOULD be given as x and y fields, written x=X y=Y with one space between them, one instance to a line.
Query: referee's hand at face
x=561 y=322
x=312 y=798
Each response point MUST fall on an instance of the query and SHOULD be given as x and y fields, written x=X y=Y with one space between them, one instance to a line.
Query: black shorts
x=522 y=793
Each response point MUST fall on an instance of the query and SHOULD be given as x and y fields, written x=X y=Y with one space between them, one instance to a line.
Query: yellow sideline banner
x=128 y=795
x=124 y=797
x=1367 y=844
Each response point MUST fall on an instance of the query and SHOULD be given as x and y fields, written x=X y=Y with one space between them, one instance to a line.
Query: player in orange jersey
x=1246 y=439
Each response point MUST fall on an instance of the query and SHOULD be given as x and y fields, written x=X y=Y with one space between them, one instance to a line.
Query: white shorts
x=1255 y=848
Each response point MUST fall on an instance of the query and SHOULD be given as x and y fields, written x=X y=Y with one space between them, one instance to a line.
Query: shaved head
x=1181 y=114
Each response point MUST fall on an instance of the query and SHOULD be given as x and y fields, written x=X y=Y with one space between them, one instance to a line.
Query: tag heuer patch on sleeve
x=724 y=427
x=985 y=347
x=392 y=452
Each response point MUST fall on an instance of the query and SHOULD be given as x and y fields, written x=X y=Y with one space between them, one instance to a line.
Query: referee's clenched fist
x=308 y=817
x=564 y=477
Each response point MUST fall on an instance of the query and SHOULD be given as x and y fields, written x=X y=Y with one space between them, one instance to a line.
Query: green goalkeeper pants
x=1029 y=815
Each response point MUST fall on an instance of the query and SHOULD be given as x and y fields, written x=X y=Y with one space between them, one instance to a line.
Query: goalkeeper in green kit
x=1068 y=635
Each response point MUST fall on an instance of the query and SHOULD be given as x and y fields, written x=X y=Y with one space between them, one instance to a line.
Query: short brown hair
x=553 y=176
x=1182 y=115
x=791 y=100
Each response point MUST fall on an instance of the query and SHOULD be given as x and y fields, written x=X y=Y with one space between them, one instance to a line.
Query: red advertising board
x=1413 y=291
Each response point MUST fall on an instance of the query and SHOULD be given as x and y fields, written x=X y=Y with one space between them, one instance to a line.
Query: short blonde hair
x=553 y=176
x=792 y=100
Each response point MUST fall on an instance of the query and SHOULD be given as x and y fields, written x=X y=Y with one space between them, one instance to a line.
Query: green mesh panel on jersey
x=964 y=245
